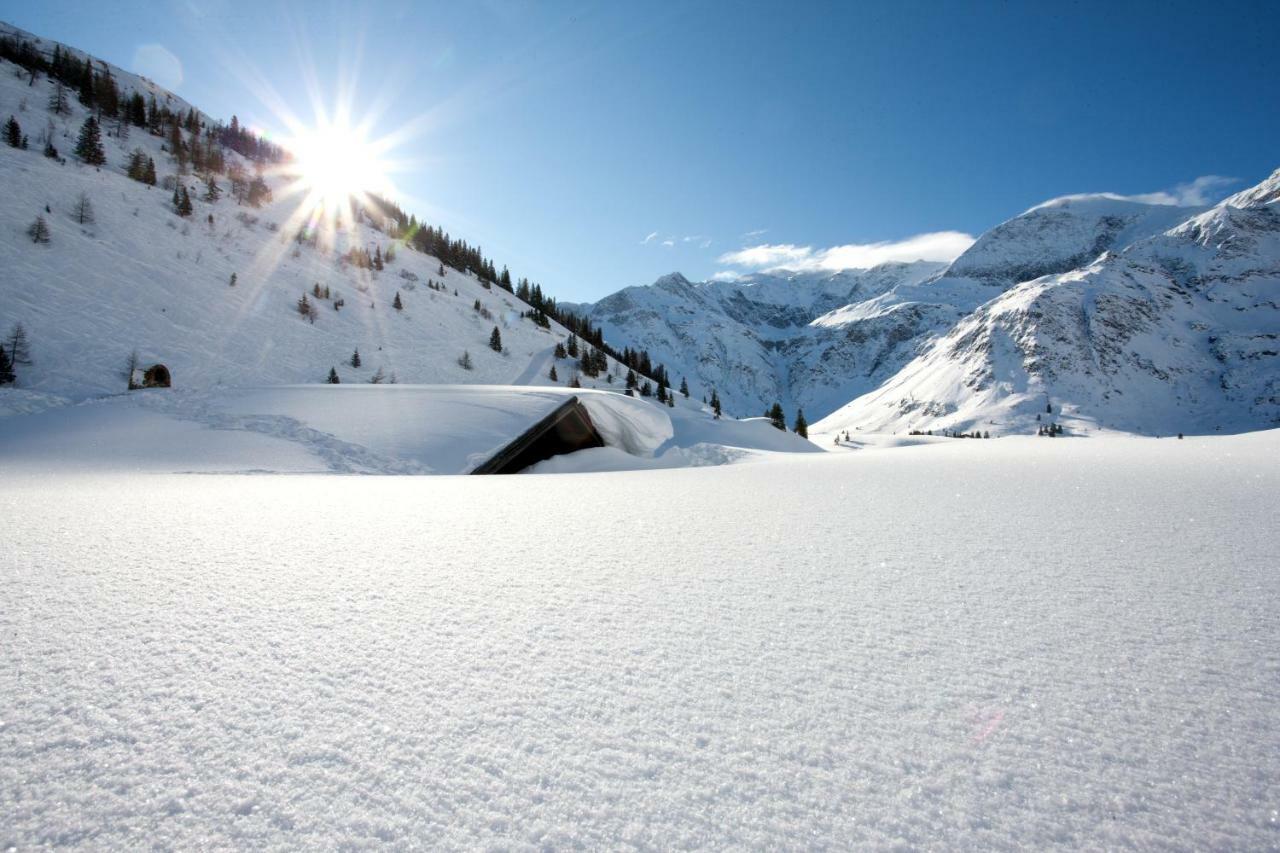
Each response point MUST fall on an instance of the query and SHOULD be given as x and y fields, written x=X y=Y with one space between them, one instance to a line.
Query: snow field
x=995 y=645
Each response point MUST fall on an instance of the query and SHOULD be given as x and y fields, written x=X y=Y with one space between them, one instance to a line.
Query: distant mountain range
x=1092 y=310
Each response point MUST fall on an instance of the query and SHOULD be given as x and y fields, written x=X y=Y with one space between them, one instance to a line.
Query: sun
x=335 y=165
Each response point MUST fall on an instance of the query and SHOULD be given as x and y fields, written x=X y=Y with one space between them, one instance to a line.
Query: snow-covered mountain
x=1174 y=331
x=769 y=337
x=1052 y=303
x=214 y=295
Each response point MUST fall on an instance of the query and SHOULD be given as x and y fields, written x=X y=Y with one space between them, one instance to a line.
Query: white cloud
x=653 y=235
x=1203 y=190
x=156 y=62
x=726 y=275
x=935 y=246
x=751 y=235
x=668 y=243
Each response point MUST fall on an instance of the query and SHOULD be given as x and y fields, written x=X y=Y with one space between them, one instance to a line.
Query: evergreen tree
x=184 y=201
x=572 y=346
x=355 y=358
x=377 y=264
x=378 y=377
x=715 y=403
x=662 y=393
x=38 y=230
x=13 y=133
x=684 y=387
x=646 y=390
x=396 y=303
x=89 y=146
x=560 y=350
x=137 y=164
x=441 y=271
x=777 y=417
x=212 y=192
x=233 y=279
x=333 y=377
x=464 y=360
x=7 y=376
x=19 y=346
x=575 y=382
x=801 y=426
x=1048 y=408
x=304 y=306
x=495 y=340
x=631 y=378
x=552 y=375
x=149 y=176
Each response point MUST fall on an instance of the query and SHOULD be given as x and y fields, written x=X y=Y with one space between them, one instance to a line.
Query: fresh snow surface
x=363 y=429
x=1008 y=644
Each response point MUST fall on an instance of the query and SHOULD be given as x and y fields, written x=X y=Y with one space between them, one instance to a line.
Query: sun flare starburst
x=333 y=165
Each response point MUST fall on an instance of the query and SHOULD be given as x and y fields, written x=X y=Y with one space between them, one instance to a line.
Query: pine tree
x=777 y=417
x=715 y=403
x=684 y=387
x=441 y=271
x=495 y=340
x=89 y=146
x=646 y=390
x=13 y=133
x=149 y=176
x=355 y=358
x=212 y=192
x=137 y=164
x=38 y=230
x=662 y=393
x=631 y=378
x=184 y=202
x=464 y=360
x=378 y=377
x=560 y=350
x=7 y=376
x=333 y=377
x=1048 y=408
x=572 y=347
x=801 y=426
x=552 y=375
x=19 y=346
x=233 y=279
x=304 y=306
x=377 y=264
x=82 y=211
x=396 y=303
x=575 y=382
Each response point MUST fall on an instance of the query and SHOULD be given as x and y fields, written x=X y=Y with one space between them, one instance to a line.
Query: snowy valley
x=233 y=615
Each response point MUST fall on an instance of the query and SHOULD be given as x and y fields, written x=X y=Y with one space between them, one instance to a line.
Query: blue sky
x=595 y=146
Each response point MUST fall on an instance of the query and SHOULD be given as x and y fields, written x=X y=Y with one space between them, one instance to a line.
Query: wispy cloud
x=668 y=243
x=653 y=235
x=726 y=275
x=751 y=235
x=1205 y=189
x=934 y=246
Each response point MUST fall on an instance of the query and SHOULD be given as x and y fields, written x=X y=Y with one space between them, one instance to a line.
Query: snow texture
x=1013 y=644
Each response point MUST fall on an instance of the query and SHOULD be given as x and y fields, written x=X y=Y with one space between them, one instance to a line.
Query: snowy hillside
x=214 y=295
x=1177 y=331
